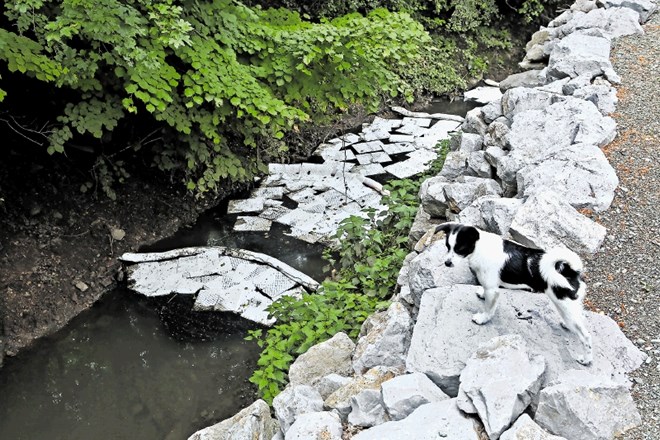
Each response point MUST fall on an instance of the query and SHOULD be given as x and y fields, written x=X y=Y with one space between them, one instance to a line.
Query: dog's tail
x=558 y=265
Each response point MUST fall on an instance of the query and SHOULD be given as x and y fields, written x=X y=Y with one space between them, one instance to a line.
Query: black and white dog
x=503 y=263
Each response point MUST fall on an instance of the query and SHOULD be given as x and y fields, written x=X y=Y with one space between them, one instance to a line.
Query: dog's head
x=459 y=239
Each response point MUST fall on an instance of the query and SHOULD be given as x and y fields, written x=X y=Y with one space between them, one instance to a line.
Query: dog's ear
x=445 y=227
x=429 y=237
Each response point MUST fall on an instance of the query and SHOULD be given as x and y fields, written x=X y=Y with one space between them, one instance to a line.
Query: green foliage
x=226 y=79
x=371 y=250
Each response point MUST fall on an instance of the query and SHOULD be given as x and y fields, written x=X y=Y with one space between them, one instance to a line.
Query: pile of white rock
x=524 y=166
x=312 y=199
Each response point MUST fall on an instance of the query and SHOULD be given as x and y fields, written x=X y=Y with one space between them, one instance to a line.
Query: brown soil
x=53 y=238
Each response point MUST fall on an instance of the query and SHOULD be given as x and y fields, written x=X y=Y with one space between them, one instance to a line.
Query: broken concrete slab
x=225 y=279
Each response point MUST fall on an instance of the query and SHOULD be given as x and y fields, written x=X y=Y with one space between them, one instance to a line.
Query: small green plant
x=371 y=251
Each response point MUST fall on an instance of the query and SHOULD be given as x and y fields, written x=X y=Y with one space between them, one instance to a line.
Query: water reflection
x=113 y=373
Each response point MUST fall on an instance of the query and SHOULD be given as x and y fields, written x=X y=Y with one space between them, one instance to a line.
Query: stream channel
x=137 y=368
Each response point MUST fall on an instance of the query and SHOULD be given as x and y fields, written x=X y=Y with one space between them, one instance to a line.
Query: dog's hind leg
x=573 y=316
x=490 y=294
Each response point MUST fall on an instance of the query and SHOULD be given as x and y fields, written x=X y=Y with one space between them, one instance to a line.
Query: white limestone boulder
x=316 y=425
x=474 y=122
x=428 y=422
x=478 y=165
x=521 y=99
x=404 y=394
x=466 y=189
x=444 y=336
x=579 y=54
x=499 y=382
x=428 y=270
x=384 y=339
x=251 y=423
x=340 y=400
x=328 y=357
x=432 y=196
x=367 y=409
x=614 y=22
x=466 y=142
x=546 y=220
x=497 y=213
x=294 y=401
x=603 y=96
x=538 y=134
x=580 y=174
x=586 y=406
x=330 y=383
x=455 y=164
x=643 y=7
x=528 y=78
x=526 y=429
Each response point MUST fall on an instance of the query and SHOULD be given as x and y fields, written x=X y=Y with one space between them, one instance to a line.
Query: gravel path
x=624 y=276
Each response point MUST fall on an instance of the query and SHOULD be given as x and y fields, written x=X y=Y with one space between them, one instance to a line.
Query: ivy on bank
x=371 y=251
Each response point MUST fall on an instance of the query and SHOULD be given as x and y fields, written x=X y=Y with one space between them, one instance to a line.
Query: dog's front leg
x=491 y=294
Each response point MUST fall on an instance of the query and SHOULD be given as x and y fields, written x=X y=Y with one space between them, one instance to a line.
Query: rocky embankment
x=528 y=165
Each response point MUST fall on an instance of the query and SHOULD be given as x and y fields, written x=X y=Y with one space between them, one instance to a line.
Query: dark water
x=137 y=368
x=114 y=373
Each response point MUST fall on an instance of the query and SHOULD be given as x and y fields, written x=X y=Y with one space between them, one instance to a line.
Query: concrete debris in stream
x=222 y=279
x=313 y=198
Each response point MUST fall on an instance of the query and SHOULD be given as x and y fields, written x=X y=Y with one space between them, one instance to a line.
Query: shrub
x=227 y=80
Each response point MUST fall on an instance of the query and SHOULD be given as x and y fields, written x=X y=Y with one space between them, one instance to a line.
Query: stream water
x=137 y=368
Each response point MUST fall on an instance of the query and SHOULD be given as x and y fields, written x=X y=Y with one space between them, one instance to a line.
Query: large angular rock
x=499 y=382
x=526 y=429
x=615 y=22
x=428 y=270
x=461 y=193
x=340 y=400
x=331 y=356
x=294 y=401
x=586 y=406
x=579 y=54
x=496 y=135
x=478 y=165
x=579 y=174
x=384 y=339
x=492 y=110
x=317 y=425
x=528 y=78
x=537 y=134
x=644 y=7
x=432 y=196
x=404 y=394
x=422 y=223
x=367 y=409
x=466 y=142
x=428 y=422
x=603 y=96
x=472 y=214
x=521 y=99
x=498 y=213
x=545 y=220
x=330 y=383
x=444 y=336
x=455 y=165
x=474 y=122
x=251 y=423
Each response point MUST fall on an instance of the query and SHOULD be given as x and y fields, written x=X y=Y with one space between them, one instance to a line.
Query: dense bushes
x=221 y=76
